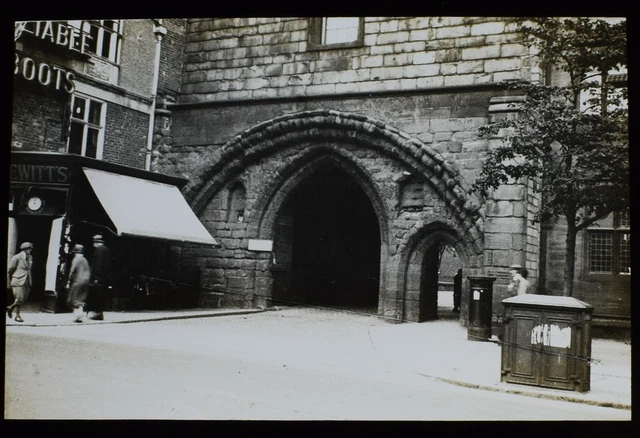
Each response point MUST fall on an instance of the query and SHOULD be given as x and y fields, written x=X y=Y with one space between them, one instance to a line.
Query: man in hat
x=20 y=275
x=78 y=283
x=100 y=276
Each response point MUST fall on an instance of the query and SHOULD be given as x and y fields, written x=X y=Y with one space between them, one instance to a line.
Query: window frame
x=116 y=38
x=616 y=231
x=315 y=35
x=87 y=124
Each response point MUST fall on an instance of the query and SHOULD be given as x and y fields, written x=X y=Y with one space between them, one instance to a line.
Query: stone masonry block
x=502 y=258
x=499 y=208
x=500 y=241
x=424 y=58
x=495 y=65
x=392 y=38
x=504 y=225
x=480 y=52
x=487 y=28
x=509 y=192
x=453 y=32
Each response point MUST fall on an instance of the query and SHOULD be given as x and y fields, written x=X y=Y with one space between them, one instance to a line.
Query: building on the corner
x=332 y=157
x=85 y=99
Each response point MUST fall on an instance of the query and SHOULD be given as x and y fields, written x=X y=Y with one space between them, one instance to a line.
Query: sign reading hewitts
x=39 y=173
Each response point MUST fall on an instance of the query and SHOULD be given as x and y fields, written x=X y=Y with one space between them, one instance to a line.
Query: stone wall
x=431 y=80
x=249 y=58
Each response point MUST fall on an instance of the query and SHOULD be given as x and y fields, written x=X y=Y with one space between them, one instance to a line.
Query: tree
x=571 y=139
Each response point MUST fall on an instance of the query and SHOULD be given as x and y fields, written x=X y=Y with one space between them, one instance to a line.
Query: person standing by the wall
x=457 y=290
x=100 y=276
x=78 y=283
x=519 y=281
x=20 y=275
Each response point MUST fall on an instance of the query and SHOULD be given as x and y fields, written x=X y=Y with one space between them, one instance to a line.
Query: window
x=336 y=32
x=610 y=245
x=236 y=203
x=86 y=133
x=105 y=37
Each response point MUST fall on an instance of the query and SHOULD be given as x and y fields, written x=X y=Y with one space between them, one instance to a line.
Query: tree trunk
x=570 y=254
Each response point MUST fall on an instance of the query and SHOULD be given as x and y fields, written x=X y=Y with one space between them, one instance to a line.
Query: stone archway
x=321 y=180
x=418 y=276
x=305 y=141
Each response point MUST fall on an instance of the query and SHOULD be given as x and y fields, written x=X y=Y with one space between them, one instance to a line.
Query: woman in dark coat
x=78 y=284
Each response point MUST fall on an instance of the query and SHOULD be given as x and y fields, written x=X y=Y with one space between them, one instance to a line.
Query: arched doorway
x=439 y=268
x=333 y=243
x=426 y=279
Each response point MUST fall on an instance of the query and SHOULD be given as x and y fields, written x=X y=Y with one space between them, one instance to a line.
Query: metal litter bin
x=480 y=308
x=547 y=342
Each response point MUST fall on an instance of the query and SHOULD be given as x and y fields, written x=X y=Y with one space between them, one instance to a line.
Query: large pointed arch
x=334 y=127
x=313 y=160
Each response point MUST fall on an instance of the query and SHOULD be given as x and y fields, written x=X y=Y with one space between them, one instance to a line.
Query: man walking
x=100 y=276
x=20 y=275
x=78 y=284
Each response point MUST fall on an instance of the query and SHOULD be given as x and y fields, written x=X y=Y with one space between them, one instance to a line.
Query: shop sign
x=39 y=174
x=46 y=74
x=55 y=32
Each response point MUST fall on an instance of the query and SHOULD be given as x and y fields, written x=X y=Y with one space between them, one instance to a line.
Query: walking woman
x=78 y=284
x=20 y=275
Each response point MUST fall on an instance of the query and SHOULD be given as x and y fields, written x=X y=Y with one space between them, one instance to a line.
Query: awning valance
x=140 y=207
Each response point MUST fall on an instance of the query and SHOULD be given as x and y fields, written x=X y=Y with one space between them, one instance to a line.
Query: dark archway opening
x=440 y=290
x=336 y=243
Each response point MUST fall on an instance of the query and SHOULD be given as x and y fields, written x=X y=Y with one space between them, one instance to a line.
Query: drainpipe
x=158 y=30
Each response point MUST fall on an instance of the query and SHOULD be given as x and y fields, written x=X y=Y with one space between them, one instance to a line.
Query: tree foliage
x=571 y=137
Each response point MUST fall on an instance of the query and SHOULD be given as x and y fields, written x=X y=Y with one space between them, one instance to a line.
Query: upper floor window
x=86 y=134
x=105 y=37
x=336 y=32
x=610 y=245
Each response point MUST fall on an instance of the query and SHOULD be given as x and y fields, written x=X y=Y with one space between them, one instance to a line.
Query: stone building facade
x=329 y=173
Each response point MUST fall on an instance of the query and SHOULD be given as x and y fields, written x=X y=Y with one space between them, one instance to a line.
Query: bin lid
x=547 y=300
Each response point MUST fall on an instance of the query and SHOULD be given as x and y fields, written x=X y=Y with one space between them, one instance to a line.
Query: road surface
x=293 y=364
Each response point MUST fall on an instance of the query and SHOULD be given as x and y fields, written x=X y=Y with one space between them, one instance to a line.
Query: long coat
x=101 y=265
x=20 y=270
x=79 y=276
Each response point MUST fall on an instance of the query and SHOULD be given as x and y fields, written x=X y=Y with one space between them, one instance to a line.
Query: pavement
x=446 y=354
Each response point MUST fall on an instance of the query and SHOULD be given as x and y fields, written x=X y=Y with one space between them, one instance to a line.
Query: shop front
x=58 y=200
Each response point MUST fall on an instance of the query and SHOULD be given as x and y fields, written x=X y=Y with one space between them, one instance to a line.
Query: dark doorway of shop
x=336 y=243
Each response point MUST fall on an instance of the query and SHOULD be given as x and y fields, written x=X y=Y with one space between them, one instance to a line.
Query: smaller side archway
x=421 y=264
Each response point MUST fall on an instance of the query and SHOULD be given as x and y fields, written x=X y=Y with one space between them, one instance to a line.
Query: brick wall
x=171 y=57
x=125 y=136
x=38 y=118
x=137 y=56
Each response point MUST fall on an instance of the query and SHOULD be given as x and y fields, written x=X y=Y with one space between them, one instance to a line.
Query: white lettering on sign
x=260 y=245
x=47 y=75
x=551 y=335
x=55 y=32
